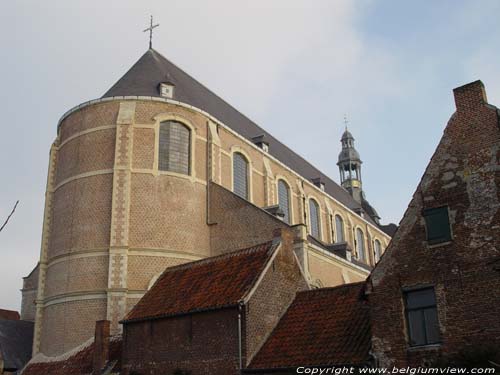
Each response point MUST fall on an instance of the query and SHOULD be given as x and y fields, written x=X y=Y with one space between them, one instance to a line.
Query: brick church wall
x=236 y=224
x=464 y=175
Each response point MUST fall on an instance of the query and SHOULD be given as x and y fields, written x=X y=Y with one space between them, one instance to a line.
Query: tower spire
x=349 y=164
x=150 y=29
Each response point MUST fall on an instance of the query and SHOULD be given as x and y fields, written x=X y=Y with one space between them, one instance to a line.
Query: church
x=160 y=171
x=179 y=237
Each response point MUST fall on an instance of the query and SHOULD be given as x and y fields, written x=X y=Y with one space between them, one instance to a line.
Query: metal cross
x=345 y=121
x=150 y=29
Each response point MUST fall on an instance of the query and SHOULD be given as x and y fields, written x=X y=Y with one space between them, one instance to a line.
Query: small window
x=167 y=90
x=315 y=219
x=437 y=225
x=240 y=175
x=421 y=316
x=360 y=244
x=174 y=147
x=377 y=250
x=339 y=228
x=284 y=199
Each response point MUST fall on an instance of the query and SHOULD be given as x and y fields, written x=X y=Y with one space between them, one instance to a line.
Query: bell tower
x=350 y=167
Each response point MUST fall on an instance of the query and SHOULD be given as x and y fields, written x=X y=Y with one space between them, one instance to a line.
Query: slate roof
x=9 y=315
x=16 y=340
x=322 y=327
x=79 y=363
x=207 y=284
x=144 y=78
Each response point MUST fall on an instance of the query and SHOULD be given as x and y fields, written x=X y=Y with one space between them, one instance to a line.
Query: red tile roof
x=322 y=327
x=9 y=315
x=203 y=285
x=79 y=363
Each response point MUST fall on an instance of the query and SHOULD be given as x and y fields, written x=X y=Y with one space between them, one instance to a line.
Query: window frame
x=190 y=142
x=281 y=180
x=169 y=116
x=426 y=214
x=318 y=217
x=363 y=244
x=423 y=308
x=376 y=257
x=248 y=173
x=336 y=229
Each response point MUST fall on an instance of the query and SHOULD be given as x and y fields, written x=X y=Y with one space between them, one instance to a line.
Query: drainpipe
x=240 y=355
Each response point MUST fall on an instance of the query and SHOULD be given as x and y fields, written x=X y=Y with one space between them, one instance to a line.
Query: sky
x=294 y=67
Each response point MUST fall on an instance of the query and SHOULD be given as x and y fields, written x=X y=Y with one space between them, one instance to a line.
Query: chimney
x=101 y=346
x=470 y=96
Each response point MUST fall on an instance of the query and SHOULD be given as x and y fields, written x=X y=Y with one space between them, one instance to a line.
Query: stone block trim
x=119 y=236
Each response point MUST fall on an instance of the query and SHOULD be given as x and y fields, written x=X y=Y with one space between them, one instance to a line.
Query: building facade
x=437 y=284
x=134 y=178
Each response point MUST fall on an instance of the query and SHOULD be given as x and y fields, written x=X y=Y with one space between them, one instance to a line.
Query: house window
x=421 y=316
x=284 y=199
x=437 y=225
x=174 y=147
x=378 y=250
x=360 y=244
x=315 y=220
x=240 y=175
x=339 y=228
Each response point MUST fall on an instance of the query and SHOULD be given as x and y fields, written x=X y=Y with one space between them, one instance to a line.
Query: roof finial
x=150 y=29
x=345 y=121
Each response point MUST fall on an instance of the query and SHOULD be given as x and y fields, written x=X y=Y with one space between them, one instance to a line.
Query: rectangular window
x=421 y=316
x=437 y=225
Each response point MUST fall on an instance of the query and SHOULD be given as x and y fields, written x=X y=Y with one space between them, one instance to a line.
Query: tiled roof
x=79 y=363
x=9 y=315
x=144 y=78
x=322 y=327
x=16 y=340
x=203 y=285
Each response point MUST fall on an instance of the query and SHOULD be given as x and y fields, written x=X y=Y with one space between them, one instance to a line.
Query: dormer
x=319 y=183
x=262 y=142
x=167 y=90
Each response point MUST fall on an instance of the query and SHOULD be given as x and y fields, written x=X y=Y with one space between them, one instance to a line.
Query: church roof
x=322 y=327
x=207 y=284
x=152 y=69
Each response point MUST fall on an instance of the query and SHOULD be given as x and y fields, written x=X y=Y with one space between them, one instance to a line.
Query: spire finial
x=345 y=121
x=150 y=29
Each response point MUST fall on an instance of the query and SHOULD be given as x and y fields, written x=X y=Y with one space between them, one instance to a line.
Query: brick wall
x=203 y=343
x=464 y=175
x=236 y=224
x=272 y=297
x=29 y=293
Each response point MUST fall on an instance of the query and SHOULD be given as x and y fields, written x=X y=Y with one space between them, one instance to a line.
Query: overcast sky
x=294 y=67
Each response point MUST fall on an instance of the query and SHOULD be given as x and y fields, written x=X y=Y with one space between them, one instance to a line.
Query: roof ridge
x=330 y=288
x=217 y=258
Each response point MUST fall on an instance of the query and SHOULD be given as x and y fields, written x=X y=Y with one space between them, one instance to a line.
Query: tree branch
x=8 y=217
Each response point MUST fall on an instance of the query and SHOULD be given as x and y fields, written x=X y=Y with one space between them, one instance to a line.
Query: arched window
x=378 y=250
x=174 y=147
x=240 y=175
x=284 y=199
x=315 y=219
x=360 y=244
x=339 y=228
